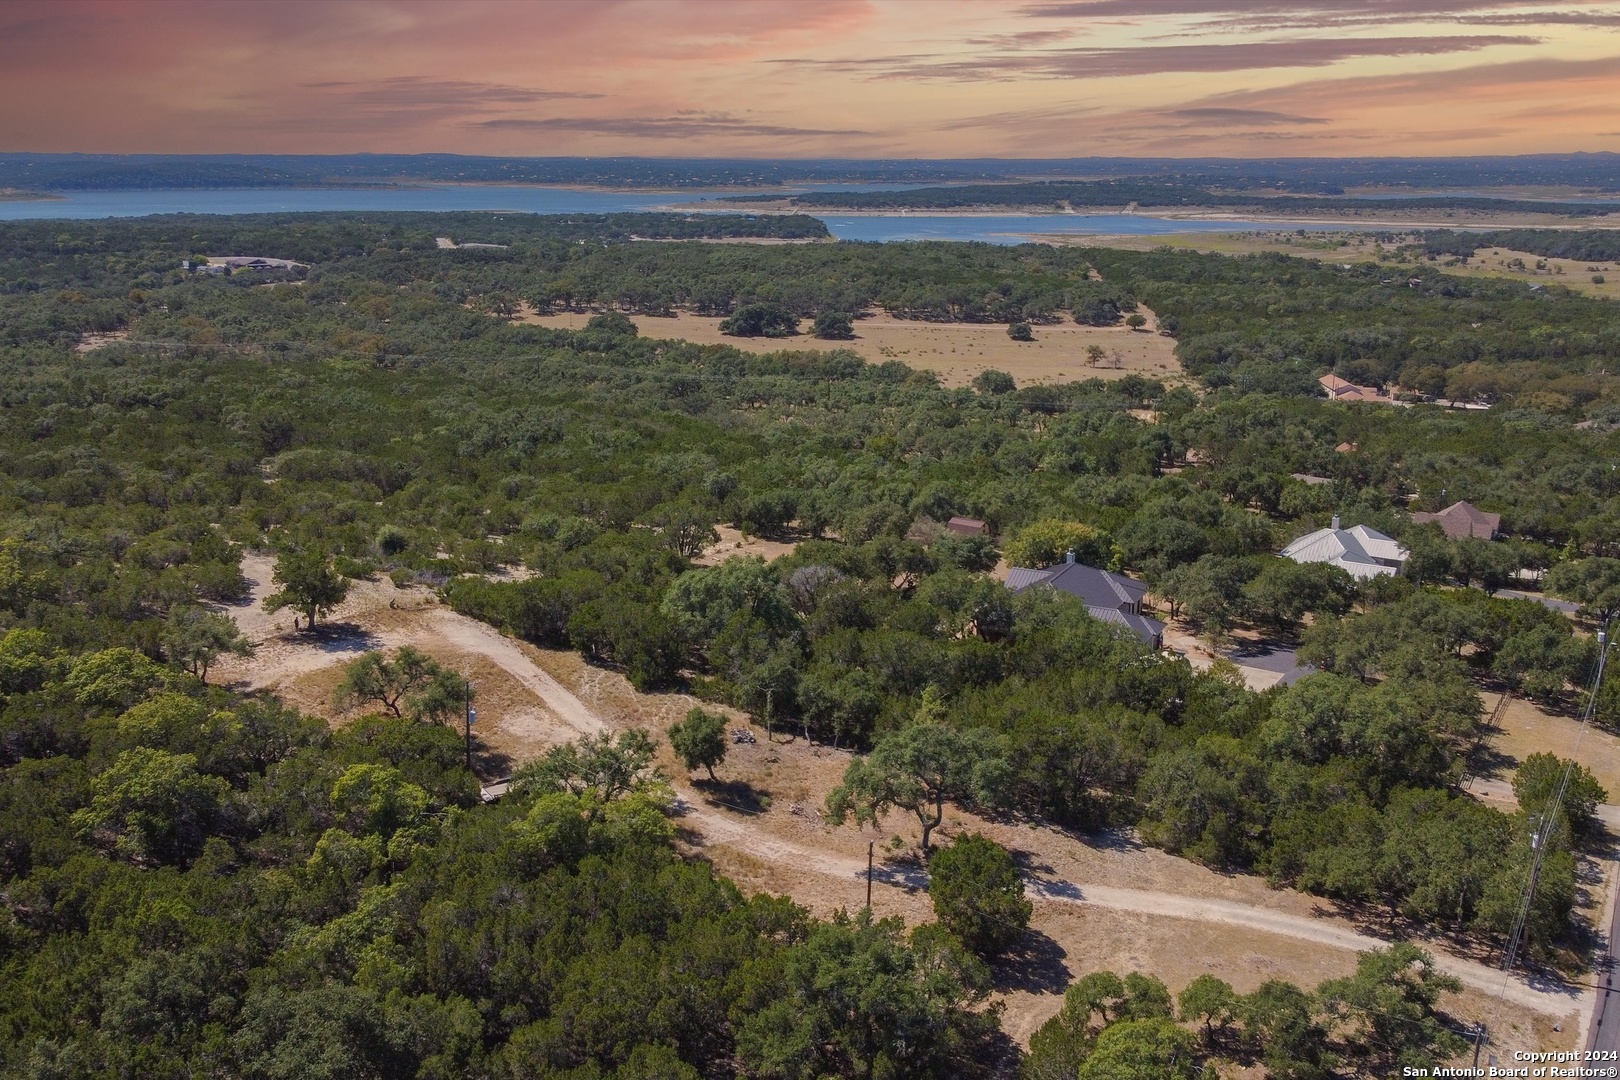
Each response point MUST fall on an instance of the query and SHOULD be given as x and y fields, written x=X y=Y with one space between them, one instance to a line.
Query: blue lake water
x=1018 y=228
x=993 y=228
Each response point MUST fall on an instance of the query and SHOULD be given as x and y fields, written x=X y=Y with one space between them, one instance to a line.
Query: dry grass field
x=956 y=352
x=1527 y=729
x=1576 y=274
x=733 y=545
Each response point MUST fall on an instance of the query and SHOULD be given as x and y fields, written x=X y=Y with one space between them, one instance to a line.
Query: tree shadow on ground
x=1117 y=838
x=1034 y=966
x=905 y=871
x=338 y=637
x=490 y=765
x=1487 y=761
x=734 y=795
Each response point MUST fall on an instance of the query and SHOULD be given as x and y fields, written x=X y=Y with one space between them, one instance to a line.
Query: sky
x=817 y=78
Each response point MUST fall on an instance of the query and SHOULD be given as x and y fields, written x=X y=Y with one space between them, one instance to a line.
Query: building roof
x=1307 y=478
x=1462 y=519
x=1098 y=588
x=1362 y=552
x=1149 y=630
x=1340 y=390
x=968 y=526
x=1112 y=598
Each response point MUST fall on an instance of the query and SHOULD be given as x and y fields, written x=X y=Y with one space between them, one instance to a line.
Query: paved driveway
x=1277 y=659
x=1546 y=601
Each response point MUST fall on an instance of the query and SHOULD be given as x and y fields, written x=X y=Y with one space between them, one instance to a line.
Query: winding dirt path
x=477 y=637
x=719 y=828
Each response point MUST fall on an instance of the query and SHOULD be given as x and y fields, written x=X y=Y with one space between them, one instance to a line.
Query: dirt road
x=717 y=828
x=489 y=642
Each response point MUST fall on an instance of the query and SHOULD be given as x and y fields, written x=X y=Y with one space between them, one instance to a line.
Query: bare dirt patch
x=733 y=545
x=92 y=342
x=955 y=351
x=522 y=710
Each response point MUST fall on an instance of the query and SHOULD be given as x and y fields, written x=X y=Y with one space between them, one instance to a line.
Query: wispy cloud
x=1594 y=19
x=1024 y=39
x=1262 y=117
x=1205 y=17
x=406 y=91
x=1104 y=63
x=659 y=127
x=887 y=77
x=1403 y=9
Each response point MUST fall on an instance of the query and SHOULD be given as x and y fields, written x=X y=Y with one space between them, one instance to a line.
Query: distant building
x=1360 y=552
x=1346 y=448
x=250 y=262
x=1340 y=390
x=1462 y=519
x=967 y=526
x=1113 y=598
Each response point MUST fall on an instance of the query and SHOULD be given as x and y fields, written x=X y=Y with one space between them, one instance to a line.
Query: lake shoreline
x=1388 y=219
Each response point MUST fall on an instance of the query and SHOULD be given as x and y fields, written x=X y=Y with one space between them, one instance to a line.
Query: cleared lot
x=954 y=351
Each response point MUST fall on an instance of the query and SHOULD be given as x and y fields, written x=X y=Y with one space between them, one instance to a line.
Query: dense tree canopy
x=190 y=876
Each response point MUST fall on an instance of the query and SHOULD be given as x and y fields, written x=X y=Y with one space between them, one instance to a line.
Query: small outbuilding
x=966 y=526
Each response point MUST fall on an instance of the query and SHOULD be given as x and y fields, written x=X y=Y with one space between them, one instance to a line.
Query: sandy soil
x=1104 y=902
x=955 y=351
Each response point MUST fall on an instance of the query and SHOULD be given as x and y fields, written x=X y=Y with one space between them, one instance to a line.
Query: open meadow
x=956 y=352
x=1359 y=247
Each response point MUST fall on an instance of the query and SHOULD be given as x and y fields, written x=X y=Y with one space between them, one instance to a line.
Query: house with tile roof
x=1338 y=389
x=1113 y=598
x=1462 y=519
x=1360 y=552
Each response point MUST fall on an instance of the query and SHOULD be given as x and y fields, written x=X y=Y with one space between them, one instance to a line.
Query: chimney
x=1069 y=558
x=1335 y=522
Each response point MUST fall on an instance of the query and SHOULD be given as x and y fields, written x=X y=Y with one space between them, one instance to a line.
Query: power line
x=1541 y=839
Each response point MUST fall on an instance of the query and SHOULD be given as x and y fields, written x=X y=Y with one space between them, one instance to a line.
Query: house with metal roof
x=1360 y=552
x=1113 y=598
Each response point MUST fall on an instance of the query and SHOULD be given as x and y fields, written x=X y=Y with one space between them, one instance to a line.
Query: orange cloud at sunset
x=847 y=78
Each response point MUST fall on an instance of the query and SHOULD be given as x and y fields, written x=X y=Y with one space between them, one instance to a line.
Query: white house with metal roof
x=1360 y=552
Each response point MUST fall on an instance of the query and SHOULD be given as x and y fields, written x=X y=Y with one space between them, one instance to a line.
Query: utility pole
x=469 y=716
x=869 y=844
x=770 y=696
